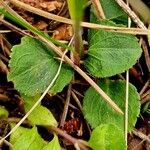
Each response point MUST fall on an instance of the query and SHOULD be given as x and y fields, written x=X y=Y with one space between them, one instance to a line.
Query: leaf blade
x=29 y=140
x=33 y=67
x=40 y=115
x=97 y=111
x=107 y=137
x=111 y=53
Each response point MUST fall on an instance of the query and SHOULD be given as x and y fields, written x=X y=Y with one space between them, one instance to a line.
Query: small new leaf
x=33 y=67
x=107 y=137
x=97 y=111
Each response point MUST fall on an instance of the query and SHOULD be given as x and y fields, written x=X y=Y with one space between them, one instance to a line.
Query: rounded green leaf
x=30 y=140
x=40 y=115
x=97 y=111
x=33 y=67
x=107 y=137
x=19 y=132
x=111 y=53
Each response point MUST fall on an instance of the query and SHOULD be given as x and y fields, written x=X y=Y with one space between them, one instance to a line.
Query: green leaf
x=107 y=137
x=113 y=11
x=53 y=145
x=40 y=115
x=97 y=111
x=111 y=53
x=30 y=140
x=33 y=67
x=3 y=112
x=75 y=5
x=19 y=132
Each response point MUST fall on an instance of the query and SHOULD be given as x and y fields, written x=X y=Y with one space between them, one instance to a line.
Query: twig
x=7 y=143
x=4 y=58
x=77 y=100
x=146 y=54
x=126 y=108
x=70 y=105
x=5 y=45
x=127 y=98
x=141 y=136
x=145 y=87
x=5 y=31
x=16 y=120
x=146 y=93
x=78 y=93
x=83 y=24
x=64 y=115
x=66 y=106
x=14 y=28
x=130 y=13
x=3 y=67
x=4 y=98
x=69 y=138
x=145 y=99
x=77 y=147
x=99 y=10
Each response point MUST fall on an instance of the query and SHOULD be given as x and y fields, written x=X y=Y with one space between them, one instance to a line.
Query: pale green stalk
x=76 y=12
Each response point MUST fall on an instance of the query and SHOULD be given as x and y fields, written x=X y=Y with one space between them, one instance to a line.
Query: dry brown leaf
x=51 y=6
x=64 y=32
x=42 y=25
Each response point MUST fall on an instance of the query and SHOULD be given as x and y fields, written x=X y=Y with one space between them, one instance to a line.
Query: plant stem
x=126 y=108
x=7 y=143
x=141 y=136
x=127 y=98
x=66 y=106
x=76 y=13
x=77 y=100
x=68 y=137
x=99 y=10
x=77 y=43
